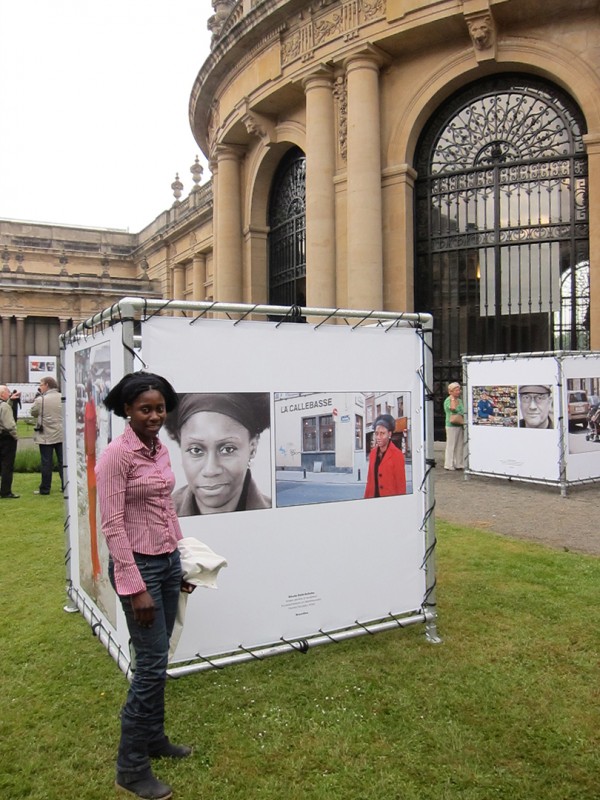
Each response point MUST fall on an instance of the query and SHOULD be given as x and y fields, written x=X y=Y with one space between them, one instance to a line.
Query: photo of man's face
x=535 y=403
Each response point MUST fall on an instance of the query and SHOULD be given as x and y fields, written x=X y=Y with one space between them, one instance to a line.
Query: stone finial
x=215 y=23
x=196 y=169
x=177 y=187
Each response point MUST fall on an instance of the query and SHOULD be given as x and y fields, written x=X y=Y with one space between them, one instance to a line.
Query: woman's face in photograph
x=216 y=451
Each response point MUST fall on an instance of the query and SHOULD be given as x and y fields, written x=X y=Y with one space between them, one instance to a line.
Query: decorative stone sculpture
x=215 y=23
x=177 y=187
x=481 y=29
x=196 y=169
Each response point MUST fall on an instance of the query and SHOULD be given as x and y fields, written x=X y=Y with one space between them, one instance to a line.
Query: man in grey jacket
x=47 y=412
x=8 y=445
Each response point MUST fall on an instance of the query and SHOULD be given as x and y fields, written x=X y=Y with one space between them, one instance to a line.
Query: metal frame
x=131 y=310
x=562 y=482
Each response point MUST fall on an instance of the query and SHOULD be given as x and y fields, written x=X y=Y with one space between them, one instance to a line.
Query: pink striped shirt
x=136 y=509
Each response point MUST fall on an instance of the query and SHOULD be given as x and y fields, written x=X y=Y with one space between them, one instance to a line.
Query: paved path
x=525 y=511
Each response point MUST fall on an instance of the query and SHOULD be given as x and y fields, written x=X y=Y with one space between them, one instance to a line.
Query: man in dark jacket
x=8 y=445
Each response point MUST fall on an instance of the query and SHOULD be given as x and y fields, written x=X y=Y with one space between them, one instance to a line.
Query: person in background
x=387 y=469
x=134 y=483
x=8 y=445
x=455 y=436
x=47 y=411
x=15 y=403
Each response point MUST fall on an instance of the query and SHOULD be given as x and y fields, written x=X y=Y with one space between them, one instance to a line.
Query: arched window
x=502 y=222
x=287 y=236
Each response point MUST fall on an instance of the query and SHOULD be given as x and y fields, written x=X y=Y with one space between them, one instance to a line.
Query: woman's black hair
x=133 y=385
x=250 y=409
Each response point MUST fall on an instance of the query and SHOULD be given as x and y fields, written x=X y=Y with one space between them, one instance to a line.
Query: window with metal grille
x=287 y=235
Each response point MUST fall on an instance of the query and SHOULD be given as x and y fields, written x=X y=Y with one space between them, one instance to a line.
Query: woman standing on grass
x=454 y=411
x=134 y=484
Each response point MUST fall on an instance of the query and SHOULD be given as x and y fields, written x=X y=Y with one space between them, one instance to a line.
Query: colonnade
x=14 y=356
x=354 y=278
x=179 y=280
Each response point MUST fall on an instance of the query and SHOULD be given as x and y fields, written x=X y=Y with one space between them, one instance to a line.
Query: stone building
x=430 y=155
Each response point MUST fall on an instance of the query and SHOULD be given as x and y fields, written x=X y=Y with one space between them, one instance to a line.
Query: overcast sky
x=94 y=108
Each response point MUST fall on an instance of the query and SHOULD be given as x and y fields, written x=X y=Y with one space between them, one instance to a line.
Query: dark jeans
x=46 y=451
x=143 y=715
x=8 y=450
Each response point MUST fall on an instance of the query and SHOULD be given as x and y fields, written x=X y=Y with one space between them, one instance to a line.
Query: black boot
x=144 y=785
x=167 y=749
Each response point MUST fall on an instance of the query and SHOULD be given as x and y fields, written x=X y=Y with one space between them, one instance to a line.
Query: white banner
x=91 y=369
x=42 y=367
x=308 y=554
x=514 y=428
x=581 y=403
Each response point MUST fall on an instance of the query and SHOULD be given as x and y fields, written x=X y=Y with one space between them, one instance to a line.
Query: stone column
x=21 y=371
x=199 y=277
x=398 y=251
x=228 y=226
x=6 y=374
x=178 y=285
x=320 y=192
x=365 y=289
x=592 y=143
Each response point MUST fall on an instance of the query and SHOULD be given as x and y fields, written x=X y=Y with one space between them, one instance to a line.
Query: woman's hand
x=186 y=587
x=143 y=609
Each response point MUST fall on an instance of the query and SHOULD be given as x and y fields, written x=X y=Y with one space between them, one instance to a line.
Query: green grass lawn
x=506 y=707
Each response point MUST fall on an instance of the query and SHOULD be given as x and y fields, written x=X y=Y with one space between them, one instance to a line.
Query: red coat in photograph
x=392 y=473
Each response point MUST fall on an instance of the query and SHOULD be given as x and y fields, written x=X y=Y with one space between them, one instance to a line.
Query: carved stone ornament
x=259 y=125
x=222 y=10
x=482 y=31
x=340 y=93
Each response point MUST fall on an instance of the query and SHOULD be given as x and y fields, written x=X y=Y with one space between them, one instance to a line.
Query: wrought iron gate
x=287 y=236
x=502 y=257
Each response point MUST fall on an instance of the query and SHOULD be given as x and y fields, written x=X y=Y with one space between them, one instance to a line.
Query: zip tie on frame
x=250 y=311
x=250 y=653
x=360 y=321
x=300 y=647
x=422 y=333
x=213 y=664
x=293 y=314
x=428 y=593
x=392 y=324
x=428 y=554
x=95 y=627
x=364 y=627
x=335 y=641
x=399 y=622
x=428 y=514
x=158 y=310
x=204 y=313
x=328 y=317
x=430 y=464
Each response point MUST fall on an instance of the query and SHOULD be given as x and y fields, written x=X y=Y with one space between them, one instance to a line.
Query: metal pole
x=430 y=604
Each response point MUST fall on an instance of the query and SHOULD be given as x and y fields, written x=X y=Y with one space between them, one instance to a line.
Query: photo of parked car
x=578 y=408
